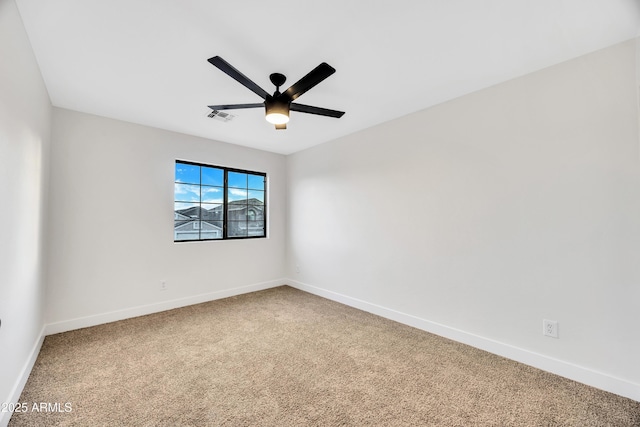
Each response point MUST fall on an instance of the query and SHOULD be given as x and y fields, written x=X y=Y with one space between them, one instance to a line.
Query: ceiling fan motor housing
x=277 y=109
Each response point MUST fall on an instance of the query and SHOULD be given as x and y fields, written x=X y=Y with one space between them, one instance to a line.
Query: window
x=213 y=202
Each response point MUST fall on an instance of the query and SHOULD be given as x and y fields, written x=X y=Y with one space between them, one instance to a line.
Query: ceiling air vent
x=220 y=116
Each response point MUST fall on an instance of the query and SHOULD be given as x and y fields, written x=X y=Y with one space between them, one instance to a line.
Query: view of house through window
x=213 y=202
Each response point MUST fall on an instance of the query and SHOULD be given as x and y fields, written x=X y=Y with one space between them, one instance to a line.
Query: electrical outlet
x=550 y=328
x=163 y=285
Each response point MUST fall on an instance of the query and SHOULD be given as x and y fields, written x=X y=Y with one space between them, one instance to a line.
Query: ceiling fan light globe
x=277 y=118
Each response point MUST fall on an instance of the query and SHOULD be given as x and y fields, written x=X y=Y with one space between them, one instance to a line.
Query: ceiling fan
x=278 y=105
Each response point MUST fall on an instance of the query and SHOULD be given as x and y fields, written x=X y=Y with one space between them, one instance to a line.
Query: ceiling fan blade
x=235 y=106
x=301 y=108
x=314 y=77
x=281 y=127
x=227 y=68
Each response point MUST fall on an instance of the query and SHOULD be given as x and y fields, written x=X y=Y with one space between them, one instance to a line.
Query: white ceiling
x=145 y=61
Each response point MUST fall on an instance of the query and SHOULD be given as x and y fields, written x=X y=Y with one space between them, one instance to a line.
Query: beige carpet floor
x=282 y=357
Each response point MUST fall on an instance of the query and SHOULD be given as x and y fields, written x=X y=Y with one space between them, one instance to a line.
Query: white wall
x=25 y=114
x=112 y=223
x=482 y=216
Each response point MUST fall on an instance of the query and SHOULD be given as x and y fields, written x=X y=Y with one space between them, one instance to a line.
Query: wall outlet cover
x=550 y=328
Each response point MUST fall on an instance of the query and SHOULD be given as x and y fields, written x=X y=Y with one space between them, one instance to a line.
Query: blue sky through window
x=198 y=184
x=187 y=173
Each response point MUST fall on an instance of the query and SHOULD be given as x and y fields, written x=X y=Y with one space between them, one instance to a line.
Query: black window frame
x=225 y=218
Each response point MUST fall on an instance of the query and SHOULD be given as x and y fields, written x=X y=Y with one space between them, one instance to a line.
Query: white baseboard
x=562 y=368
x=127 y=313
x=14 y=396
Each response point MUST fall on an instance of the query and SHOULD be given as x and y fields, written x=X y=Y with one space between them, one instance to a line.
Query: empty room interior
x=462 y=171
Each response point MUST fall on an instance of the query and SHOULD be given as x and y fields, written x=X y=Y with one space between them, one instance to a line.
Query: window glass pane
x=182 y=237
x=211 y=230
x=186 y=230
x=187 y=173
x=256 y=195
x=179 y=206
x=237 y=211
x=256 y=213
x=237 y=228
x=255 y=228
x=212 y=194
x=256 y=182
x=237 y=179
x=212 y=176
x=186 y=211
x=187 y=192
x=235 y=194
x=212 y=212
